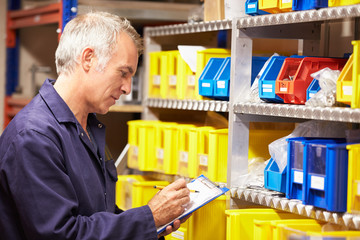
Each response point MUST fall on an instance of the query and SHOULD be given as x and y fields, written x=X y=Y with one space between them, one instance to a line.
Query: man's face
x=108 y=85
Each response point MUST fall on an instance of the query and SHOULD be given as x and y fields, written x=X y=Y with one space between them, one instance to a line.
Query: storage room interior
x=234 y=138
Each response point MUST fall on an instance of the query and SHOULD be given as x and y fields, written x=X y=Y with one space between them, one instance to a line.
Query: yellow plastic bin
x=165 y=147
x=183 y=150
x=171 y=148
x=347 y=86
x=273 y=6
x=336 y=3
x=216 y=166
x=259 y=140
x=285 y=5
x=142 y=192
x=181 y=233
x=355 y=99
x=185 y=88
x=294 y=231
x=202 y=58
x=344 y=83
x=315 y=231
x=240 y=222
x=124 y=190
x=198 y=149
x=155 y=74
x=353 y=197
x=146 y=149
x=169 y=74
x=132 y=156
x=340 y=235
x=209 y=221
x=269 y=229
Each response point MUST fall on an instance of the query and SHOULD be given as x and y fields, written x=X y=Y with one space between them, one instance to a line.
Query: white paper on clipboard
x=208 y=191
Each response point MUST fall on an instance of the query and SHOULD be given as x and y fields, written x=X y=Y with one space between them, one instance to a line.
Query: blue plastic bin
x=313 y=88
x=296 y=179
x=294 y=168
x=268 y=78
x=222 y=80
x=326 y=167
x=273 y=179
x=252 y=8
x=256 y=66
x=207 y=77
x=298 y=5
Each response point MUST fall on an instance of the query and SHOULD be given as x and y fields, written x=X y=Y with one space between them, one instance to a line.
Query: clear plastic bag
x=255 y=176
x=312 y=128
x=326 y=96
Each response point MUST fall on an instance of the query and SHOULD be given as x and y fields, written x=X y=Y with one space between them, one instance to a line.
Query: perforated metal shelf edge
x=277 y=200
x=189 y=28
x=199 y=105
x=341 y=114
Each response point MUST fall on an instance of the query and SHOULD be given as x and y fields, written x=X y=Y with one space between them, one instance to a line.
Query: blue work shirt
x=55 y=185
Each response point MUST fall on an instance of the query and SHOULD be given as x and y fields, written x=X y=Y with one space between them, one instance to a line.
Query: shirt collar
x=55 y=103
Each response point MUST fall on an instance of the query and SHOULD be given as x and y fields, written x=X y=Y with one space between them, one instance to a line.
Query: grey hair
x=98 y=30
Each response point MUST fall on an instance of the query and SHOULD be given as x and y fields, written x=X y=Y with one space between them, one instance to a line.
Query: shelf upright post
x=12 y=58
x=53 y=13
x=68 y=12
x=12 y=51
x=241 y=55
x=150 y=46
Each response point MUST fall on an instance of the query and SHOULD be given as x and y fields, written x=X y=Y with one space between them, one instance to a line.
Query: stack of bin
x=294 y=90
x=317 y=172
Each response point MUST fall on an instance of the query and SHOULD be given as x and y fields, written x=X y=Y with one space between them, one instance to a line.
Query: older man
x=55 y=182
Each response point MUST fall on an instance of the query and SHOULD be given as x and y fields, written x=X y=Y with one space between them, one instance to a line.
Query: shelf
x=277 y=200
x=141 y=11
x=199 y=105
x=340 y=114
x=126 y=108
x=189 y=28
x=322 y=14
x=33 y=17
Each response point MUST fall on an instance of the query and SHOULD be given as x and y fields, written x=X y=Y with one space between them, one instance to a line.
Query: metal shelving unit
x=304 y=25
x=192 y=34
x=56 y=13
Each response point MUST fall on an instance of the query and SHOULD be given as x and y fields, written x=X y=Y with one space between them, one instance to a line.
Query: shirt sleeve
x=46 y=201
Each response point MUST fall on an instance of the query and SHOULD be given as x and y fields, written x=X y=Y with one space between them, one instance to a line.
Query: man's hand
x=168 y=204
x=175 y=226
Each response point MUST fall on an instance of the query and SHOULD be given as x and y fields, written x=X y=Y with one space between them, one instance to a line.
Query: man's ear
x=87 y=58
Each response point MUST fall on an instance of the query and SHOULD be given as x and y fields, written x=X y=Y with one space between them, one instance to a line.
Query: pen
x=162 y=187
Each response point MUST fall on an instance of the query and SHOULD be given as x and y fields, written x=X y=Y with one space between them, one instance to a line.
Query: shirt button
x=100 y=125
x=82 y=134
x=100 y=159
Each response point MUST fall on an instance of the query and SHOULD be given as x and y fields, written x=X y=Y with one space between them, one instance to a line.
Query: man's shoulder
x=34 y=116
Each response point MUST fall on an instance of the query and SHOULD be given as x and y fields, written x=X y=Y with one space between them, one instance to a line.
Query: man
x=55 y=182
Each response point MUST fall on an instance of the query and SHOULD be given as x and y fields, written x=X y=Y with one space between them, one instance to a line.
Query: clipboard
x=208 y=191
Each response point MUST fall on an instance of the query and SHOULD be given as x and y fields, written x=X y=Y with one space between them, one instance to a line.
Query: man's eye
x=123 y=74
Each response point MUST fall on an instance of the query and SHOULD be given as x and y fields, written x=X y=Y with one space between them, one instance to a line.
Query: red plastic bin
x=294 y=90
x=287 y=72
